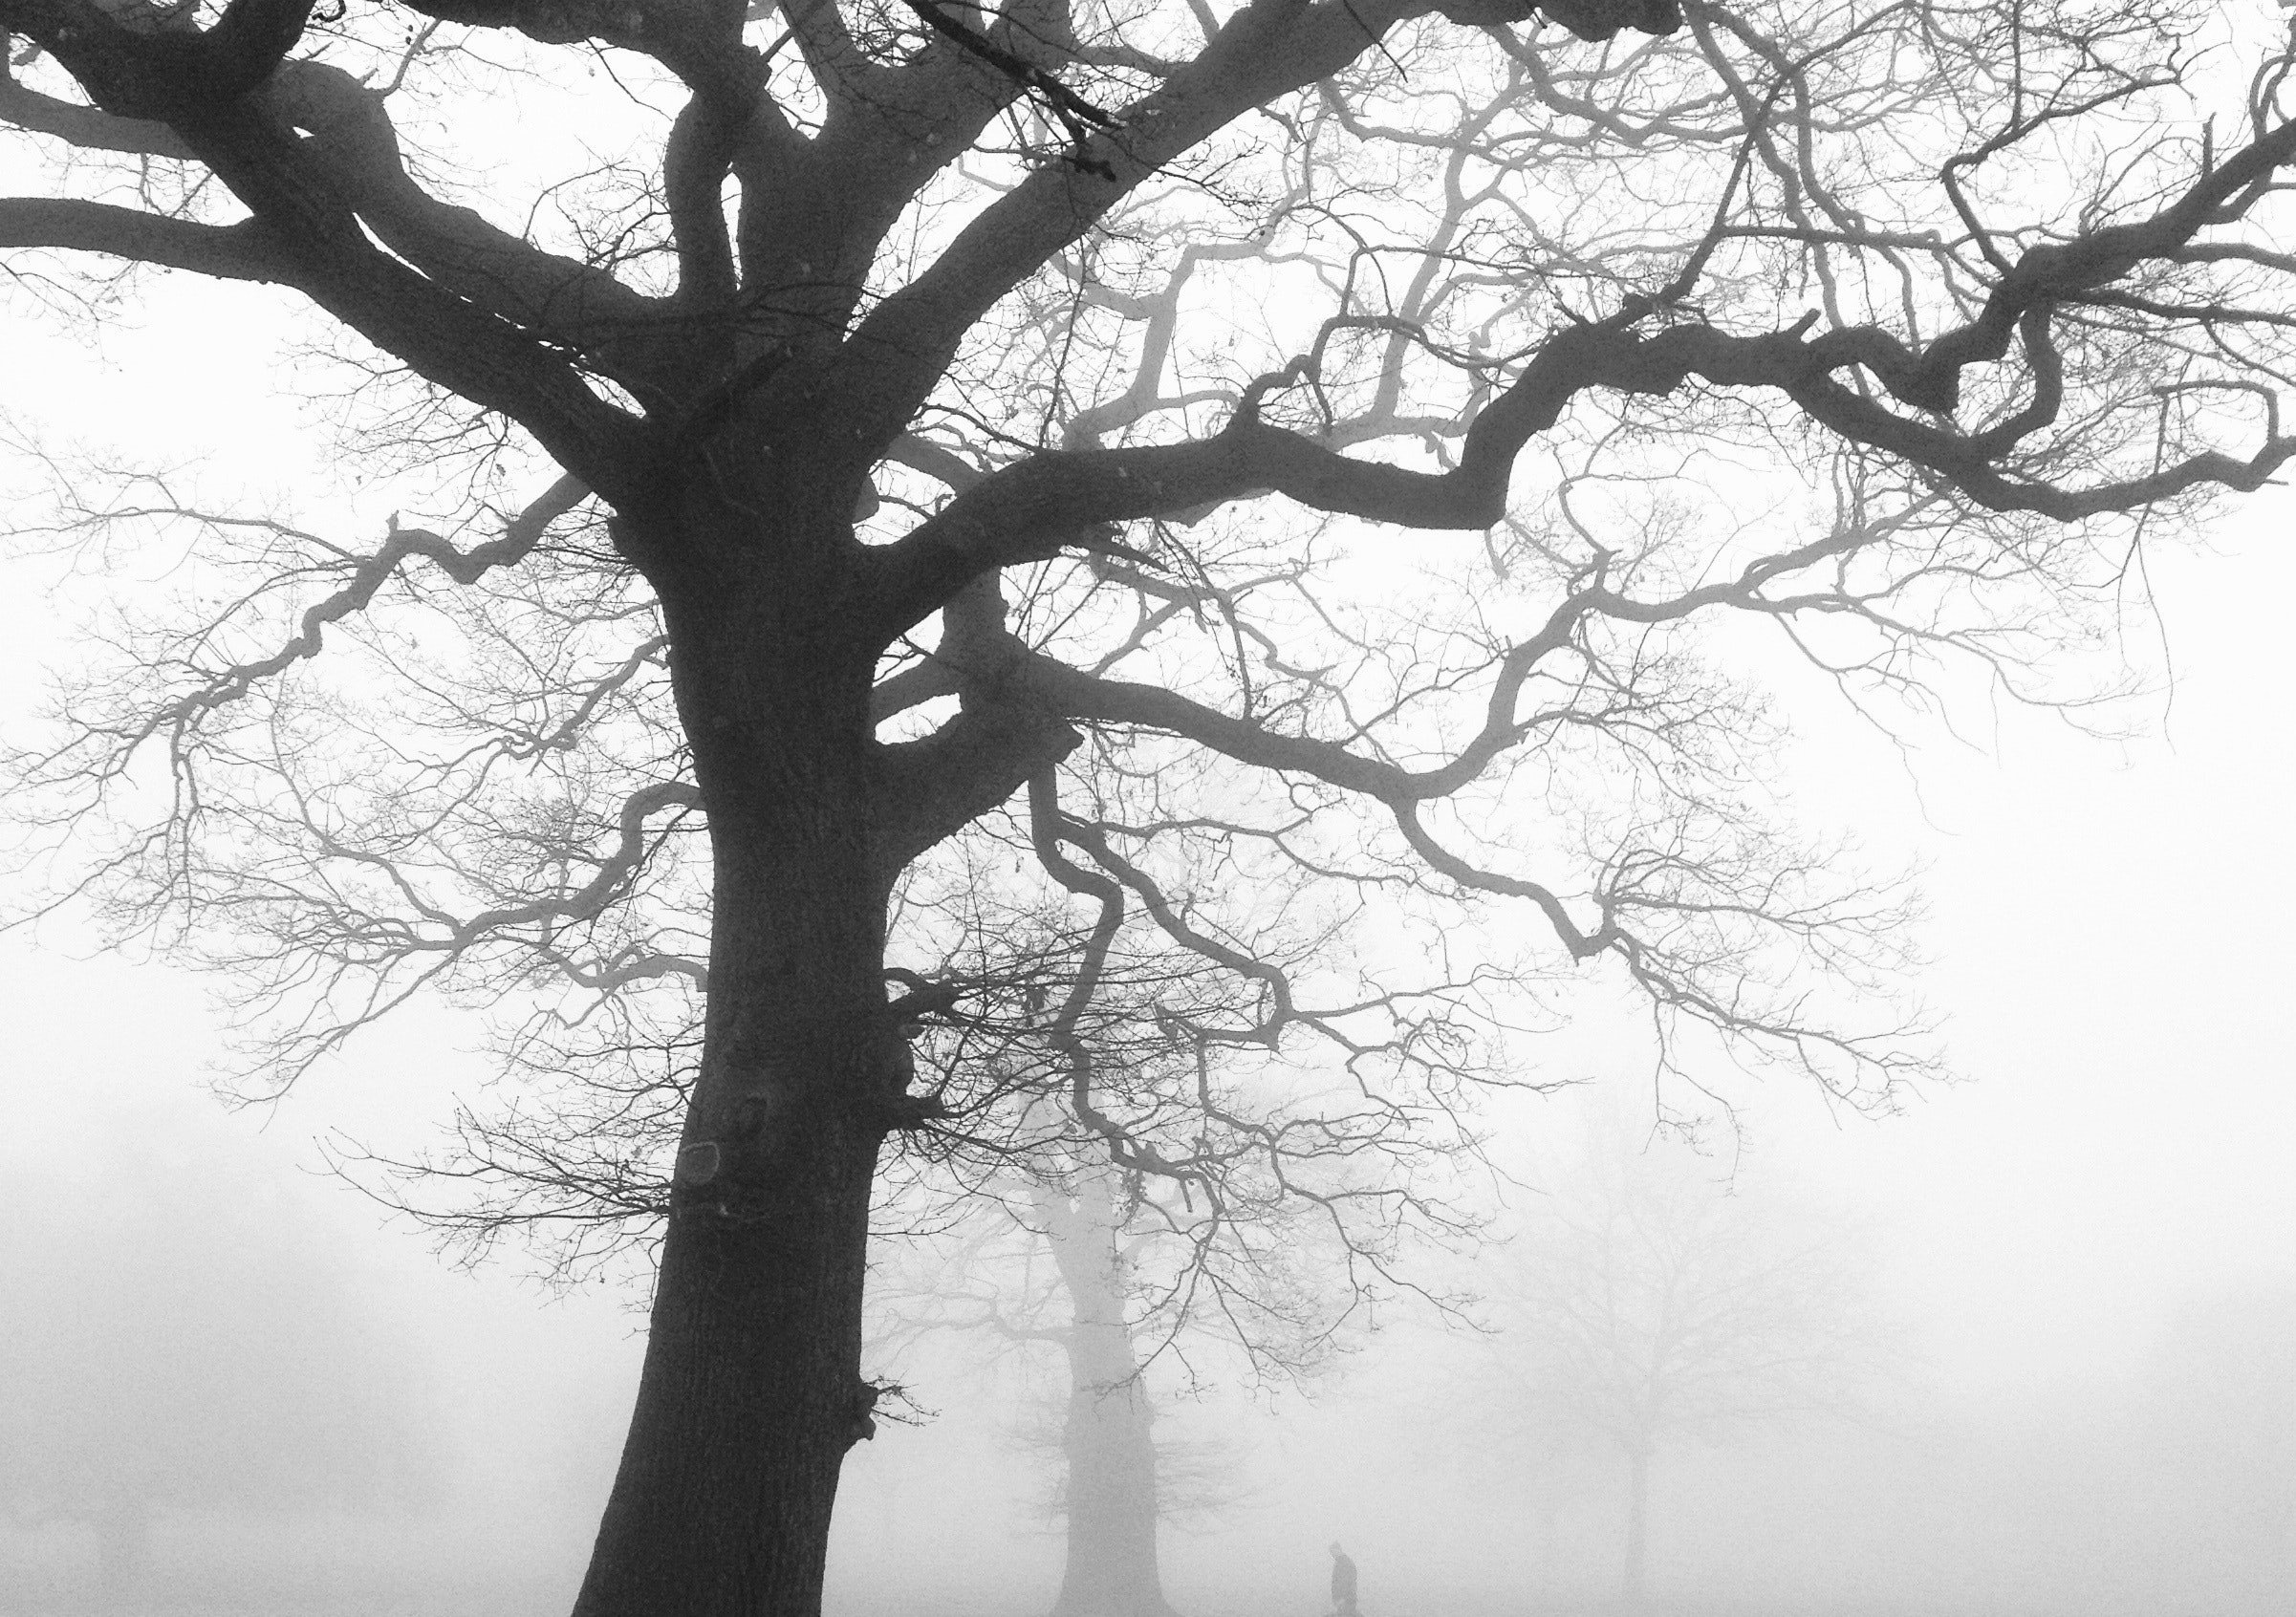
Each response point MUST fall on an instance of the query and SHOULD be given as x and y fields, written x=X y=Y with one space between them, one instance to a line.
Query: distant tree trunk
x=1546 y=1536
x=122 y=1525
x=1112 y=1497
x=1631 y=1581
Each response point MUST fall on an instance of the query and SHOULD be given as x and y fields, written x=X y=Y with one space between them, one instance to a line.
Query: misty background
x=2073 y=1270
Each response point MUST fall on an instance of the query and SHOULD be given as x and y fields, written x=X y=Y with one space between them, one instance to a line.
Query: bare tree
x=186 y=1348
x=967 y=436
x=1112 y=1497
x=2214 y=1434
x=1131 y=1281
x=1651 y=1305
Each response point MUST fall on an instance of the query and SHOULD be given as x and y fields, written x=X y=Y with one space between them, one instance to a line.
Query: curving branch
x=90 y=129
x=1053 y=500
x=201 y=83
x=894 y=357
x=369 y=573
x=568 y=304
x=245 y=251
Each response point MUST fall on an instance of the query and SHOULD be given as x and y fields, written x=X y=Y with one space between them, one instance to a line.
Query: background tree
x=1112 y=1498
x=2214 y=1434
x=965 y=435
x=1122 y=1279
x=149 y=1374
x=1652 y=1302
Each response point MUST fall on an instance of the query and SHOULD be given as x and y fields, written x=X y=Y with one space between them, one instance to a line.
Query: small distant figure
x=1343 y=1585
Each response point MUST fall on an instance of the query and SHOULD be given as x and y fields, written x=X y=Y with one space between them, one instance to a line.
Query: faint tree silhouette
x=184 y=1348
x=1111 y=1499
x=1648 y=1304
x=1118 y=1273
x=2214 y=1434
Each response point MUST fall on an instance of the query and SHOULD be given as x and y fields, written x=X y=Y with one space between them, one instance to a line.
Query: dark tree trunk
x=751 y=1391
x=1633 y=1579
x=1111 y=1568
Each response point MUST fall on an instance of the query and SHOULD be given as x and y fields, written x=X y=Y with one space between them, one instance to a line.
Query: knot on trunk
x=698 y=1164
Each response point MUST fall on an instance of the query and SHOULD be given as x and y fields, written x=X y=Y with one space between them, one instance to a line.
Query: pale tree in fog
x=1110 y=1497
x=186 y=1351
x=2214 y=1434
x=1235 y=474
x=1121 y=1278
x=1648 y=1303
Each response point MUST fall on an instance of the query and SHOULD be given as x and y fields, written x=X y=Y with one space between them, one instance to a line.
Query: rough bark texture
x=751 y=1391
x=1111 y=1570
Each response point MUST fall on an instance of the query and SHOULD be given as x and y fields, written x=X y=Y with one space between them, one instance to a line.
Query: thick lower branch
x=89 y=128
x=566 y=301
x=940 y=785
x=232 y=252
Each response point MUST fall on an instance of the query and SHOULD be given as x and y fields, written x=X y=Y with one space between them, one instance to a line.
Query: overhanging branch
x=244 y=251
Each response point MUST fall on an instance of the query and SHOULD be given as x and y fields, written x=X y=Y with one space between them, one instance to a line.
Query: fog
x=2078 y=1262
x=2075 y=1268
